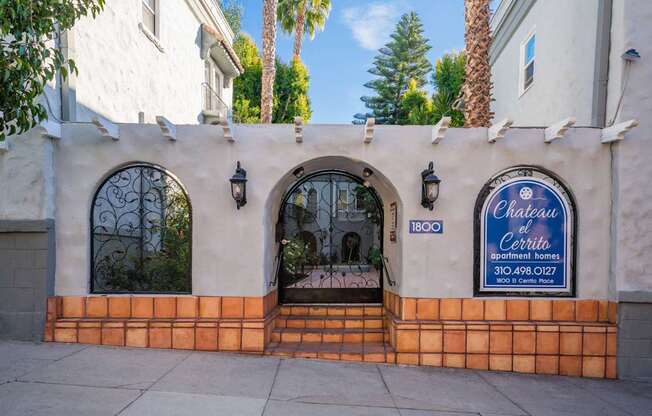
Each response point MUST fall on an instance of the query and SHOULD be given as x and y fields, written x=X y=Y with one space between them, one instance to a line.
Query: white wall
x=27 y=178
x=233 y=250
x=564 y=65
x=633 y=211
x=122 y=72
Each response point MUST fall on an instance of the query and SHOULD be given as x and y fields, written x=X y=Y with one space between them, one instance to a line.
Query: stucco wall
x=564 y=66
x=233 y=250
x=122 y=72
x=27 y=178
x=633 y=211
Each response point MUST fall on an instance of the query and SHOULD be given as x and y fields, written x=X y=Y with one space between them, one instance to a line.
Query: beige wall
x=233 y=250
x=564 y=65
x=632 y=264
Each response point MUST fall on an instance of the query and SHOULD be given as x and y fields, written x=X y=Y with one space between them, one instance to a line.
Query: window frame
x=93 y=286
x=523 y=65
x=155 y=36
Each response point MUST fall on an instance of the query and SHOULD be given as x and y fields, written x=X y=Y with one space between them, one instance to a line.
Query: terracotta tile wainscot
x=241 y=324
x=565 y=337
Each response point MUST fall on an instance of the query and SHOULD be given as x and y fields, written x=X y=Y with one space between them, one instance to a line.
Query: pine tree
x=402 y=59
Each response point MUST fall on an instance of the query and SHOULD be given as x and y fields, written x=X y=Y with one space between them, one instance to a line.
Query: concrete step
x=329 y=322
x=353 y=335
x=377 y=352
x=367 y=309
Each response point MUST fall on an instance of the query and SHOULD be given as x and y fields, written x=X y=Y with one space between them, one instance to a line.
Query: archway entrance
x=331 y=229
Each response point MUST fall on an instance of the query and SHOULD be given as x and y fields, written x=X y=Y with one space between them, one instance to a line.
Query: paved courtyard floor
x=62 y=379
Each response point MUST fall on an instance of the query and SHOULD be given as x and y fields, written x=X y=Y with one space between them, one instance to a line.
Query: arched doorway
x=331 y=232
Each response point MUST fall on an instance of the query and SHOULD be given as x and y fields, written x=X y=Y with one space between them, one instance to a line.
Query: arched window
x=525 y=228
x=351 y=247
x=141 y=230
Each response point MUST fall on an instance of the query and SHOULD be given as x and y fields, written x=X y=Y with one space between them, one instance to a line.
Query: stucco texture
x=233 y=250
x=564 y=66
x=126 y=74
x=27 y=178
x=633 y=210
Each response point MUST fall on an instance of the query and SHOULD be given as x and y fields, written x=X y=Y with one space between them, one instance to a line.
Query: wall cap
x=635 y=296
x=26 y=226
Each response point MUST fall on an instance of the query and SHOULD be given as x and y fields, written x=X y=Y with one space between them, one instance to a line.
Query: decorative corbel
x=168 y=129
x=557 y=130
x=50 y=129
x=617 y=131
x=106 y=128
x=227 y=129
x=369 y=130
x=498 y=130
x=439 y=130
x=298 y=129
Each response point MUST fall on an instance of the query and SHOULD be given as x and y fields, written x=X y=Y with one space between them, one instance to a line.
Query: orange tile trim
x=179 y=322
x=475 y=309
x=566 y=337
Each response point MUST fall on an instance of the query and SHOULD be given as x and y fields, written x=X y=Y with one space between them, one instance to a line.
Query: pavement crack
x=525 y=412
x=143 y=391
x=271 y=389
x=391 y=396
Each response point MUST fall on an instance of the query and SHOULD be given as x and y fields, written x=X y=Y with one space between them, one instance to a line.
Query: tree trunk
x=299 y=29
x=477 y=86
x=269 y=64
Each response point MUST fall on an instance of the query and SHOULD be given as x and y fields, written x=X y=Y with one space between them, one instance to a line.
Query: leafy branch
x=30 y=56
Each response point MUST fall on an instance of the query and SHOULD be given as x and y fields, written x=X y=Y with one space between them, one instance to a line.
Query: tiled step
x=376 y=352
x=329 y=322
x=351 y=335
x=370 y=309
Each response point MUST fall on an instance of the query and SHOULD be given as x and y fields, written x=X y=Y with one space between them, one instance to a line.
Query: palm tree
x=477 y=86
x=302 y=16
x=269 y=64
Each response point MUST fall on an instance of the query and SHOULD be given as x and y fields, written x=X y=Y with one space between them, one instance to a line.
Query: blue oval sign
x=526 y=227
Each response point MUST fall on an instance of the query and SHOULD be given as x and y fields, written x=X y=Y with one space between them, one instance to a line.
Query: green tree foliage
x=402 y=59
x=448 y=80
x=246 y=87
x=302 y=17
x=291 y=92
x=290 y=87
x=233 y=11
x=29 y=56
x=417 y=108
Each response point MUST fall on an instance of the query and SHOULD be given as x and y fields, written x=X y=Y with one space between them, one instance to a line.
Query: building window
x=141 y=233
x=213 y=80
x=527 y=62
x=150 y=16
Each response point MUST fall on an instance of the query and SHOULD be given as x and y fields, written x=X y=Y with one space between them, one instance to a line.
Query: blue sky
x=339 y=57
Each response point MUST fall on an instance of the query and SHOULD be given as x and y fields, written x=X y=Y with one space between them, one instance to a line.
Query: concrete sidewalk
x=63 y=379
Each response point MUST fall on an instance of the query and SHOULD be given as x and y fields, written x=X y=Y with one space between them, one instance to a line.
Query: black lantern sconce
x=239 y=186
x=429 y=187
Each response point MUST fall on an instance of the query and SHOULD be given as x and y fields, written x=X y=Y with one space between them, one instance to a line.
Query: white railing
x=213 y=103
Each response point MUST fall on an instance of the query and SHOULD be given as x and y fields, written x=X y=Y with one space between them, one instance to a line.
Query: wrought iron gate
x=330 y=229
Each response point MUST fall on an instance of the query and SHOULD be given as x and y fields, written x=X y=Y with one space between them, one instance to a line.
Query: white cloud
x=373 y=23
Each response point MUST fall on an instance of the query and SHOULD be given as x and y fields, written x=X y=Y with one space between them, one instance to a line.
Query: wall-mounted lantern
x=239 y=186
x=429 y=187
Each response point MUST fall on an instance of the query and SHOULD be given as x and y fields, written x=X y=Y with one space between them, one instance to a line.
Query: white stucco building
x=557 y=59
x=139 y=59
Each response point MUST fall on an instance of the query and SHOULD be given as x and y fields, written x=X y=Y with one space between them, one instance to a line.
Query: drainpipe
x=67 y=90
x=601 y=74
